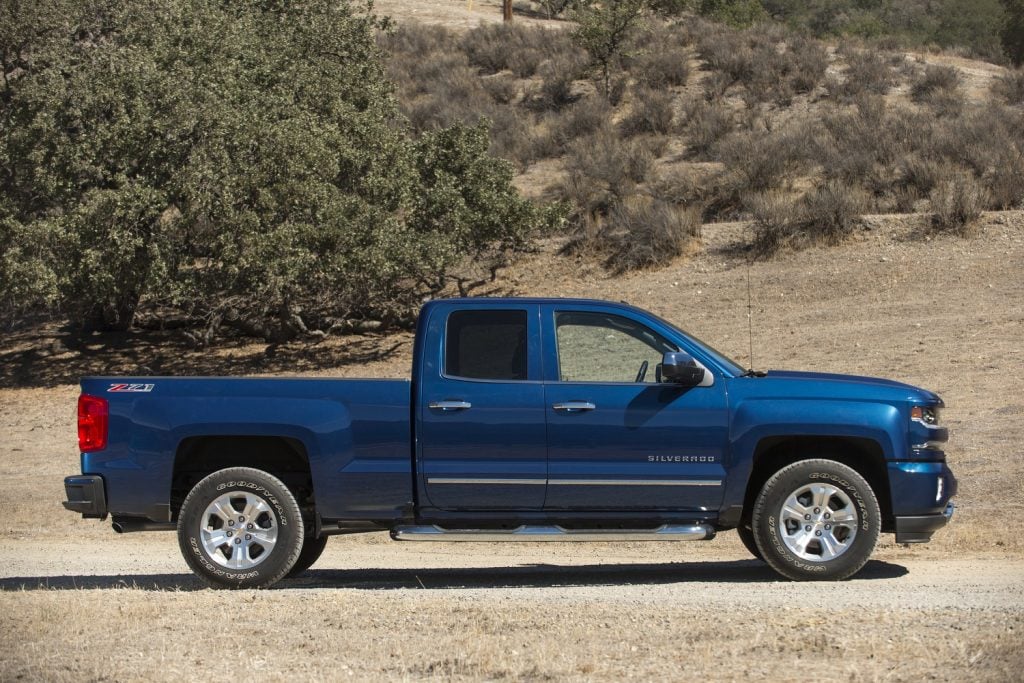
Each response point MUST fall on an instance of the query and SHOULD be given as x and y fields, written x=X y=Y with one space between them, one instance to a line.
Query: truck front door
x=481 y=434
x=617 y=438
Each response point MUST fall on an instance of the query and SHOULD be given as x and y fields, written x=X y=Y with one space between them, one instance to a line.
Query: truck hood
x=848 y=385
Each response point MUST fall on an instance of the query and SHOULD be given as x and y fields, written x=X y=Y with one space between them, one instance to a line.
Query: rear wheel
x=312 y=549
x=240 y=528
x=816 y=520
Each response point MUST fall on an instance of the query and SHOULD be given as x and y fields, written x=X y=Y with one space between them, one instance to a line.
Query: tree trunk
x=112 y=316
x=506 y=10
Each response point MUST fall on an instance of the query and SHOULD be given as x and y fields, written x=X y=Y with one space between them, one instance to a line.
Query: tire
x=747 y=537
x=816 y=520
x=312 y=549
x=215 y=544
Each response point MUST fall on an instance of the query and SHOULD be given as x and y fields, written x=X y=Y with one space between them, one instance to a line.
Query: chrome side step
x=665 y=532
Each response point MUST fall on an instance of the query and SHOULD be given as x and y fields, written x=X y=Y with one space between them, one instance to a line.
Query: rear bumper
x=86 y=495
x=919 y=528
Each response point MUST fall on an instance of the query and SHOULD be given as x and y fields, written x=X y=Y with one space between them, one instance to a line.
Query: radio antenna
x=750 y=320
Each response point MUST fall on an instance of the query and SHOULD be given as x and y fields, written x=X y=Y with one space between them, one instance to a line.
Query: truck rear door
x=481 y=433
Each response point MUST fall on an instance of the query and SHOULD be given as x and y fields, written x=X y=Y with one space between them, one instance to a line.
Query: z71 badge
x=138 y=388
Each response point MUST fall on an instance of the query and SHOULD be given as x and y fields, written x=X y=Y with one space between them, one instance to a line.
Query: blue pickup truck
x=525 y=420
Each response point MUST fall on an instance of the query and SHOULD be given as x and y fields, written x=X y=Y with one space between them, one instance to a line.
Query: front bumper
x=86 y=495
x=919 y=528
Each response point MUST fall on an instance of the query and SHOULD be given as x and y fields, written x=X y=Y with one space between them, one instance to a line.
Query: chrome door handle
x=574 y=406
x=449 y=406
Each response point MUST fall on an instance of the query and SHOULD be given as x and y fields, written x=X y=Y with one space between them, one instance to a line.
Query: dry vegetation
x=763 y=124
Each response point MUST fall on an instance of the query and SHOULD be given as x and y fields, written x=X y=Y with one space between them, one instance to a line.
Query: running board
x=665 y=532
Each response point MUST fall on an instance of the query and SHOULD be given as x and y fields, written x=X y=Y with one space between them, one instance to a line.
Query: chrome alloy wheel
x=238 y=530
x=818 y=522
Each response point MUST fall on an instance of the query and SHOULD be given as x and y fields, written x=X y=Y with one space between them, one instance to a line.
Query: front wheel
x=816 y=520
x=312 y=549
x=240 y=528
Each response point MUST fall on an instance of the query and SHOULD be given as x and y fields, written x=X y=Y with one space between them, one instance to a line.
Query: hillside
x=690 y=122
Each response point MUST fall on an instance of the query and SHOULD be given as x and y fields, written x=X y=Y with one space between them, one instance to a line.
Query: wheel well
x=865 y=456
x=198 y=457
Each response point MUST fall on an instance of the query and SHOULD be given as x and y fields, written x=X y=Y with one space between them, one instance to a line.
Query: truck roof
x=525 y=300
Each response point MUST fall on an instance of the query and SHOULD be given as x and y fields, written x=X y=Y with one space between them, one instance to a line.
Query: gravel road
x=663 y=574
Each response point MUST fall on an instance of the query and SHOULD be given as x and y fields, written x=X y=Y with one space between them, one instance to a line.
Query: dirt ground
x=79 y=602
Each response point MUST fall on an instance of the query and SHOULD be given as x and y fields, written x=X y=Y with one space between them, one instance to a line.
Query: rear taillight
x=92 y=423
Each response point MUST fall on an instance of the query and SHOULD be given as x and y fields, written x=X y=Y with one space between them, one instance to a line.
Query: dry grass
x=441 y=635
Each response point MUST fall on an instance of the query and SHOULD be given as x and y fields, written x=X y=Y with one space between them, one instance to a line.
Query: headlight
x=926 y=436
x=928 y=415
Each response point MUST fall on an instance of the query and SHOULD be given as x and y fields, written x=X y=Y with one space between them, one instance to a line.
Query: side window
x=600 y=347
x=486 y=345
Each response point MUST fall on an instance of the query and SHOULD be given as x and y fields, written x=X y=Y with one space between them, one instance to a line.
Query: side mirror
x=680 y=368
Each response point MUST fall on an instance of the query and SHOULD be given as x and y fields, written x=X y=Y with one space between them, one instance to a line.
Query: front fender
x=758 y=419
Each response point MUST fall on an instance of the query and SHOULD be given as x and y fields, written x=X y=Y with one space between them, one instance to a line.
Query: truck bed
x=355 y=433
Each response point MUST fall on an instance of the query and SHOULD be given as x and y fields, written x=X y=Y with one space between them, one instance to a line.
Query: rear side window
x=486 y=345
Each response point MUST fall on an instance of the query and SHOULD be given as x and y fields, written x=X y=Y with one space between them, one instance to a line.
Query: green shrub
x=736 y=13
x=1012 y=31
x=261 y=178
x=606 y=31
